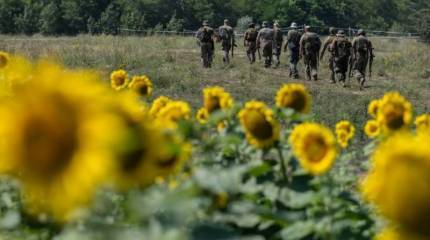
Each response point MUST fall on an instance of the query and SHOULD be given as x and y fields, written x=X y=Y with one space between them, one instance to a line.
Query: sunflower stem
x=283 y=167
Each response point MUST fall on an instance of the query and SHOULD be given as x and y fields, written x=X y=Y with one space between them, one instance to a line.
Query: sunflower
x=372 y=129
x=158 y=104
x=399 y=163
x=221 y=126
x=394 y=112
x=422 y=122
x=372 y=110
x=294 y=96
x=343 y=138
x=347 y=127
x=119 y=79
x=59 y=135
x=4 y=59
x=142 y=85
x=315 y=147
x=202 y=115
x=262 y=130
x=174 y=111
x=391 y=233
x=216 y=98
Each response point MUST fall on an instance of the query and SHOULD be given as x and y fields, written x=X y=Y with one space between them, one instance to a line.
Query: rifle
x=370 y=65
x=232 y=49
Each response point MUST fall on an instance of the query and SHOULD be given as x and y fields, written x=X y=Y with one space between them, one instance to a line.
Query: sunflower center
x=316 y=149
x=258 y=126
x=143 y=90
x=167 y=162
x=119 y=81
x=394 y=116
x=213 y=104
x=50 y=138
x=296 y=101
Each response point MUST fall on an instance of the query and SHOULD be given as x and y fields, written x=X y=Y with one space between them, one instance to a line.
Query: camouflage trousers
x=226 y=47
x=360 y=67
x=277 y=49
x=206 y=54
x=340 y=68
x=251 y=48
x=294 y=60
x=267 y=53
x=331 y=66
x=311 y=66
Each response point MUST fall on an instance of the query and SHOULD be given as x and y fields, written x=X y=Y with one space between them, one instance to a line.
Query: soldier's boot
x=308 y=73
x=333 y=77
x=277 y=61
x=253 y=57
x=314 y=74
x=249 y=56
x=362 y=81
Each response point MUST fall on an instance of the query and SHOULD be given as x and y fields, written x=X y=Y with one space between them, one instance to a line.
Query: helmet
x=307 y=27
x=251 y=25
x=205 y=23
x=226 y=21
x=276 y=24
x=293 y=25
x=265 y=24
x=361 y=32
x=341 y=33
x=332 y=30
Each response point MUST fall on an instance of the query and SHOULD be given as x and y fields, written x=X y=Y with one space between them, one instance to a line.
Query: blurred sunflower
x=174 y=111
x=142 y=85
x=262 y=130
x=216 y=98
x=315 y=147
x=119 y=79
x=372 y=128
x=158 y=104
x=60 y=135
x=342 y=138
x=202 y=115
x=399 y=163
x=4 y=59
x=347 y=127
x=395 y=234
x=394 y=112
x=372 y=110
x=422 y=122
x=294 y=96
x=221 y=126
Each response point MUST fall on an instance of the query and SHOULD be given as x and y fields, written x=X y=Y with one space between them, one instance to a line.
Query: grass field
x=174 y=66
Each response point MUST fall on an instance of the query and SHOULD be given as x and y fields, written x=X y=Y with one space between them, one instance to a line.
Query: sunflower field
x=81 y=159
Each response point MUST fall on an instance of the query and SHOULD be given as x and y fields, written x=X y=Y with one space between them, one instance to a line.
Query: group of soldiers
x=355 y=56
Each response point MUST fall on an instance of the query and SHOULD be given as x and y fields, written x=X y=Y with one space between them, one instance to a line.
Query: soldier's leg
x=332 y=66
x=314 y=67
x=253 y=56
x=226 y=58
x=307 y=67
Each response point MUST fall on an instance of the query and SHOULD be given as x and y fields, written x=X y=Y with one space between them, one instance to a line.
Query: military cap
x=226 y=21
x=276 y=23
x=265 y=24
x=307 y=27
x=251 y=25
x=361 y=32
x=205 y=23
x=332 y=30
x=293 y=25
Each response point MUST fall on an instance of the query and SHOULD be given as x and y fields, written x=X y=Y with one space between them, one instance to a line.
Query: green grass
x=174 y=66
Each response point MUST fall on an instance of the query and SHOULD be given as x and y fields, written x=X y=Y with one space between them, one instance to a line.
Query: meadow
x=234 y=152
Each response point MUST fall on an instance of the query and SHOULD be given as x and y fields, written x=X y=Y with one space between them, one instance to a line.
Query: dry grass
x=173 y=64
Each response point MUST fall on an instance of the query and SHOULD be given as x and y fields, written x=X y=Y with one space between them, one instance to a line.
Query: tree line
x=70 y=17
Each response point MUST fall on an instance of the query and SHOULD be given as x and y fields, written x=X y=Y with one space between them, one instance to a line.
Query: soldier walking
x=278 y=38
x=293 y=44
x=265 y=42
x=362 y=53
x=250 y=42
x=327 y=46
x=341 y=48
x=310 y=45
x=226 y=34
x=206 y=42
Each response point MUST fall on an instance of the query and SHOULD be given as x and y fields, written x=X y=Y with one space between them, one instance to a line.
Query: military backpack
x=204 y=35
x=251 y=35
x=343 y=48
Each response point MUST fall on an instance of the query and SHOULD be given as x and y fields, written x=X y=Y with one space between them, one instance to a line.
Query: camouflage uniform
x=250 y=42
x=341 y=47
x=310 y=45
x=327 y=46
x=293 y=44
x=277 y=43
x=226 y=34
x=362 y=50
x=265 y=41
x=205 y=40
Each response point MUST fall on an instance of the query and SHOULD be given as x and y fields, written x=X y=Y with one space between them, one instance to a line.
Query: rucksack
x=362 y=44
x=204 y=35
x=312 y=43
x=251 y=35
x=224 y=34
x=342 y=48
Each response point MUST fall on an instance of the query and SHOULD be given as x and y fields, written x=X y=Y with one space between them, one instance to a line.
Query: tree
x=51 y=20
x=9 y=12
x=28 y=21
x=110 y=19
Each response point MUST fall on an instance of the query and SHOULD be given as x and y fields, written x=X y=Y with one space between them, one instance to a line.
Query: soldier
x=206 y=42
x=310 y=45
x=265 y=42
x=250 y=42
x=341 y=49
x=226 y=34
x=293 y=44
x=362 y=53
x=277 y=43
x=327 y=46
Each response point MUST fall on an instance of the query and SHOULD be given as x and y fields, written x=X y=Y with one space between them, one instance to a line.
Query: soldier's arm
x=371 y=49
x=326 y=43
x=258 y=40
x=301 y=46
